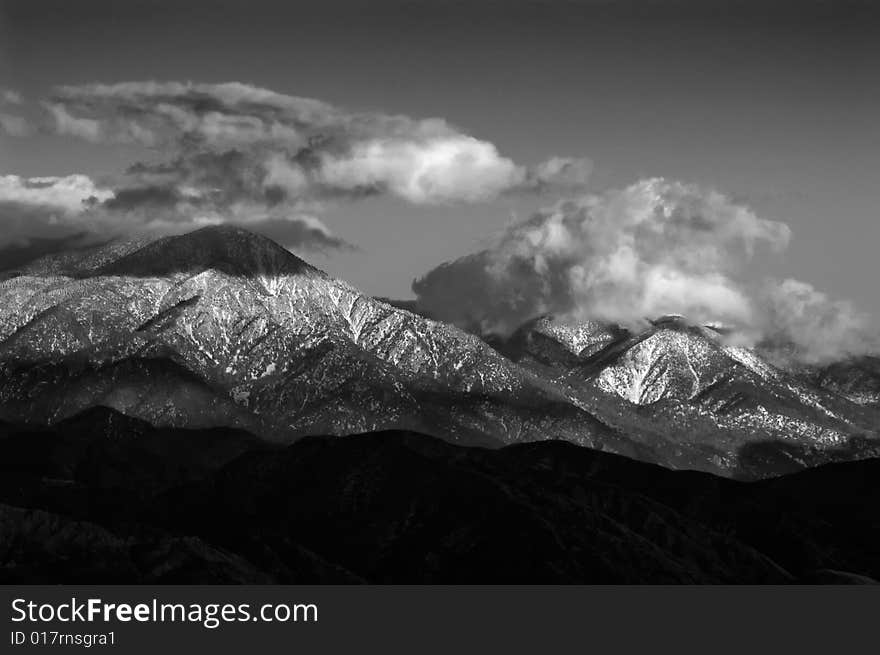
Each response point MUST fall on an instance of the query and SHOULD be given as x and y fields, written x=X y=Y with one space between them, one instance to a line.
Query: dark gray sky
x=775 y=103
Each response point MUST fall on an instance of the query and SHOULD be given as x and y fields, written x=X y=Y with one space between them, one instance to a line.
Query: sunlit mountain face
x=224 y=328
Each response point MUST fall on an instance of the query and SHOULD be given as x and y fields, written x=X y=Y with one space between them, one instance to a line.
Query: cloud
x=233 y=153
x=568 y=173
x=63 y=195
x=84 y=128
x=44 y=207
x=249 y=156
x=41 y=210
x=441 y=169
x=653 y=248
x=818 y=327
x=145 y=197
x=298 y=149
x=656 y=247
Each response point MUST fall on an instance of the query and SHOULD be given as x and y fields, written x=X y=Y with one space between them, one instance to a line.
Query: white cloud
x=66 y=195
x=443 y=169
x=44 y=206
x=655 y=247
x=819 y=327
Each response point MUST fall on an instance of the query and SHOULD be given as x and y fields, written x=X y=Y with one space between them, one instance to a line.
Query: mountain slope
x=708 y=402
x=855 y=378
x=223 y=327
x=400 y=507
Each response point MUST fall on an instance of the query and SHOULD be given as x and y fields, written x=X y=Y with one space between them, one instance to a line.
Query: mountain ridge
x=274 y=335
x=103 y=498
x=221 y=327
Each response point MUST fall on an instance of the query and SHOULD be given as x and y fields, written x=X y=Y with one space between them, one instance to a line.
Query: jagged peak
x=600 y=343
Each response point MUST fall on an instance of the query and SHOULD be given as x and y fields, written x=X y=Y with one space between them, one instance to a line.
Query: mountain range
x=210 y=408
x=222 y=328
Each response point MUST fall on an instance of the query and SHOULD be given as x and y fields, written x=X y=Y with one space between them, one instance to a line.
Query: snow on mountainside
x=856 y=378
x=221 y=326
x=713 y=404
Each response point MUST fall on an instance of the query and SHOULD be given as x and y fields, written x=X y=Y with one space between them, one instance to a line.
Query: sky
x=774 y=104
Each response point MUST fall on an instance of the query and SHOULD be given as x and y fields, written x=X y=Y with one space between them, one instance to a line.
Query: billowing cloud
x=820 y=328
x=440 y=169
x=653 y=248
x=656 y=247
